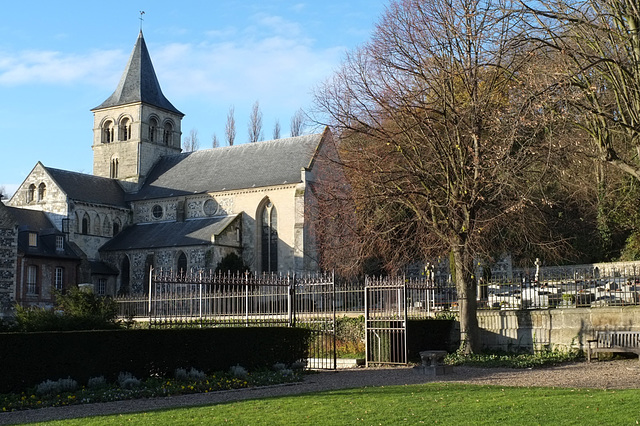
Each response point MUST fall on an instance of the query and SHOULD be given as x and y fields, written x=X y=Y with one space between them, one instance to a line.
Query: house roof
x=30 y=220
x=37 y=221
x=139 y=82
x=243 y=166
x=88 y=188
x=169 y=234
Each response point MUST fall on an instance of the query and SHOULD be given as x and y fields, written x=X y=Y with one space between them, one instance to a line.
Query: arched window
x=153 y=126
x=113 y=168
x=31 y=193
x=116 y=226
x=125 y=273
x=107 y=132
x=125 y=129
x=85 y=224
x=42 y=191
x=182 y=263
x=96 y=226
x=106 y=226
x=168 y=133
x=269 y=237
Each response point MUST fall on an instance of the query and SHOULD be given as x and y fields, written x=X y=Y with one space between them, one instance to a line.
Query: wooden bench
x=614 y=341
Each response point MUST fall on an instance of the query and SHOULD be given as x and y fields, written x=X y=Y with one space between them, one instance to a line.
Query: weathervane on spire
x=141 y=13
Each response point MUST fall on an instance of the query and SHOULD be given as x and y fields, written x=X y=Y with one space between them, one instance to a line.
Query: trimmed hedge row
x=434 y=334
x=27 y=359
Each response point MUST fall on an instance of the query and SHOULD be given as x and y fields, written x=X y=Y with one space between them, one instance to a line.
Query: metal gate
x=246 y=300
x=315 y=309
x=385 y=321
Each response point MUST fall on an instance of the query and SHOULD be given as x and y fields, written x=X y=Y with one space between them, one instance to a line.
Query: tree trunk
x=467 y=300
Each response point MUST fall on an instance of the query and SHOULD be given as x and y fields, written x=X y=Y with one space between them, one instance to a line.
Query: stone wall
x=555 y=328
x=8 y=257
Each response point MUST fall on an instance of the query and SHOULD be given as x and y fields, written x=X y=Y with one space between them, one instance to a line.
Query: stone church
x=148 y=204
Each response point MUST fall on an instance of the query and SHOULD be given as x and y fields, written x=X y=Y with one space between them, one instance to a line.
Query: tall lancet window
x=168 y=133
x=269 y=237
x=113 y=168
x=153 y=125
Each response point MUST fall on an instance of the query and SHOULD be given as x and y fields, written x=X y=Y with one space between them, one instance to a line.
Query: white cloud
x=51 y=67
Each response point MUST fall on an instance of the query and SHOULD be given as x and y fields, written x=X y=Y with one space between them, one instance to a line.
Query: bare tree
x=215 y=143
x=598 y=44
x=255 y=123
x=230 y=128
x=297 y=123
x=440 y=130
x=276 y=130
x=3 y=192
x=191 y=142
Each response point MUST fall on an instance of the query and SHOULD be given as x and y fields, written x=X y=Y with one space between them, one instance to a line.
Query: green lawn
x=434 y=403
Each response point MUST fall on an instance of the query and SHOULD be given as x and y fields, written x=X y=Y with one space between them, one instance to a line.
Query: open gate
x=315 y=309
x=385 y=321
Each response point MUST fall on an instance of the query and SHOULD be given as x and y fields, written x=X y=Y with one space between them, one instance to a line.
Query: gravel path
x=618 y=374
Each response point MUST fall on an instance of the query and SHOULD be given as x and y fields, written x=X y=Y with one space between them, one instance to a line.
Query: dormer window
x=59 y=243
x=42 y=191
x=33 y=239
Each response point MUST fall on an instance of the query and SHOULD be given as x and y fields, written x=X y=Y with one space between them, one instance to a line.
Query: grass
x=434 y=403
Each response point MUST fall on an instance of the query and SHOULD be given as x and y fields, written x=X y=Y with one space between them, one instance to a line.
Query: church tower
x=136 y=125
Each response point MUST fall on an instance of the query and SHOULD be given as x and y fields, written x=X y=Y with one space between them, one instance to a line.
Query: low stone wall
x=554 y=328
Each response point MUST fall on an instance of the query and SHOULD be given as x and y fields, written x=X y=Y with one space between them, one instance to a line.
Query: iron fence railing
x=239 y=299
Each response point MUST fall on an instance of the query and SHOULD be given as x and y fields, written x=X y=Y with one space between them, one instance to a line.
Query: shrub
x=231 y=263
x=127 y=380
x=197 y=375
x=193 y=374
x=238 y=371
x=50 y=387
x=180 y=374
x=97 y=382
x=75 y=310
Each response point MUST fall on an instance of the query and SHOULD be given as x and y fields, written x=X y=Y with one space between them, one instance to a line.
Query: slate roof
x=139 y=82
x=99 y=267
x=248 y=165
x=168 y=234
x=30 y=220
x=88 y=188
x=37 y=221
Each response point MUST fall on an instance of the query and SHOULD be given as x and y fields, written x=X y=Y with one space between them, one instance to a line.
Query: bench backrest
x=626 y=339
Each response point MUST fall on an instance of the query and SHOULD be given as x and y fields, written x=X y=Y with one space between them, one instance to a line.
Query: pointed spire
x=139 y=82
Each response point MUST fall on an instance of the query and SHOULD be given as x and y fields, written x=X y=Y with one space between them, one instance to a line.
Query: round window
x=157 y=211
x=210 y=207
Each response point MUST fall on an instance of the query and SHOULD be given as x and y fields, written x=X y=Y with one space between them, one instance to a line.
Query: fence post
x=333 y=326
x=150 y=291
x=246 y=299
x=404 y=322
x=200 y=299
x=290 y=299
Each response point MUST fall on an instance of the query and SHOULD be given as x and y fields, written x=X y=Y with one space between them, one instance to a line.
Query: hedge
x=27 y=359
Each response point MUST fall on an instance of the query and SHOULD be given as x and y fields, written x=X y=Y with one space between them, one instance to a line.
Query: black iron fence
x=285 y=299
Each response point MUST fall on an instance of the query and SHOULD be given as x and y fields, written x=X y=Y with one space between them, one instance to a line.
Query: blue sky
x=60 y=59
